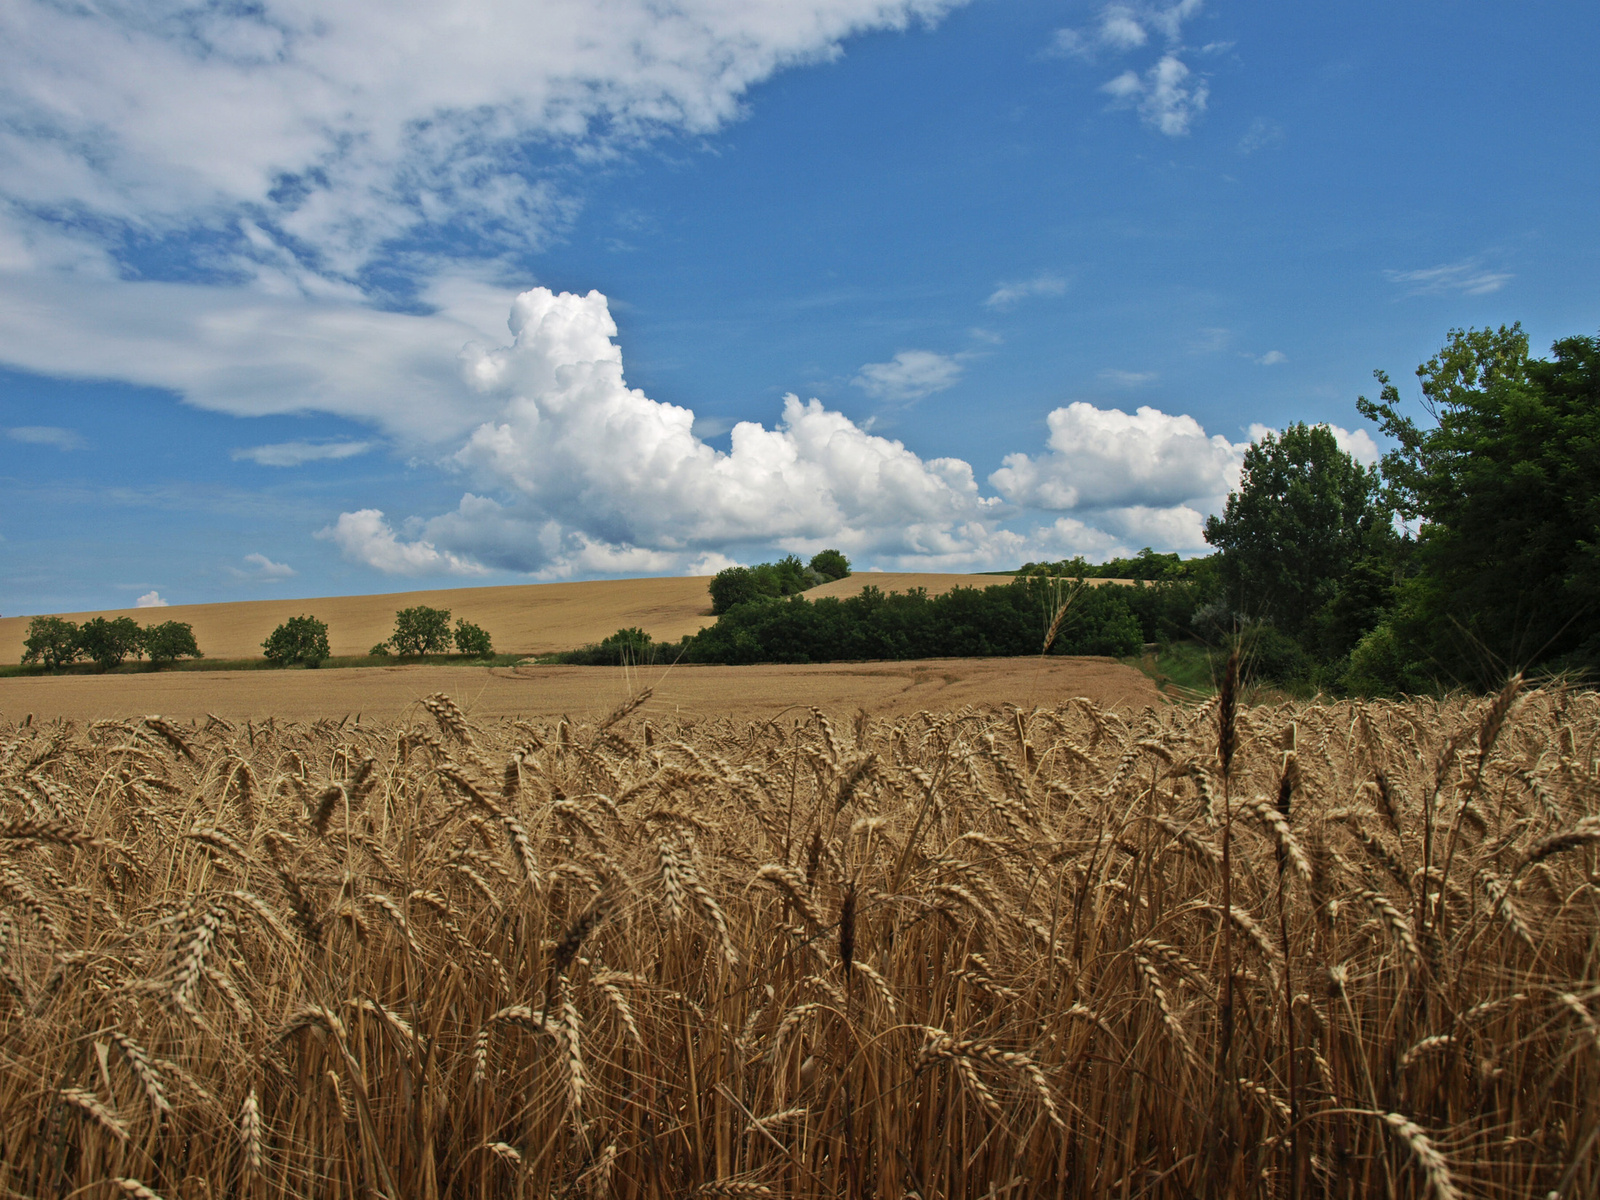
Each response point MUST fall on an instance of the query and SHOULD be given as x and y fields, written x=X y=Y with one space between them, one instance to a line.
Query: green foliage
x=1305 y=515
x=52 y=641
x=1006 y=619
x=381 y=650
x=107 y=643
x=830 y=564
x=170 y=641
x=299 y=639
x=625 y=647
x=768 y=581
x=1147 y=564
x=730 y=586
x=470 y=639
x=1506 y=484
x=421 y=630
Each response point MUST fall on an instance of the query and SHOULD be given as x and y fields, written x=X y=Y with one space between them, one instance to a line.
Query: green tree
x=299 y=639
x=52 y=641
x=1505 y=482
x=1305 y=515
x=830 y=564
x=472 y=640
x=421 y=630
x=730 y=586
x=170 y=641
x=107 y=643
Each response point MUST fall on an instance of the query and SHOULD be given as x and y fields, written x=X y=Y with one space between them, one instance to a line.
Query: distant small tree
x=381 y=650
x=830 y=564
x=299 y=639
x=107 y=643
x=170 y=641
x=472 y=640
x=421 y=630
x=52 y=641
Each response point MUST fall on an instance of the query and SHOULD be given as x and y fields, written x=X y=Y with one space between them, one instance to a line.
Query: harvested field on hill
x=550 y=692
x=1336 y=950
x=524 y=619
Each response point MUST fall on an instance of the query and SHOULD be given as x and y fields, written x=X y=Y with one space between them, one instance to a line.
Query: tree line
x=54 y=642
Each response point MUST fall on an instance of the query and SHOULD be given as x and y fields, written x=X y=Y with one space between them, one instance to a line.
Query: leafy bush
x=381 y=650
x=631 y=647
x=730 y=586
x=170 y=641
x=52 y=641
x=775 y=580
x=299 y=639
x=472 y=640
x=107 y=643
x=830 y=564
x=421 y=630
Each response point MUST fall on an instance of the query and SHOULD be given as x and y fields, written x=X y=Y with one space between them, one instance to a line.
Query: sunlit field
x=1306 y=950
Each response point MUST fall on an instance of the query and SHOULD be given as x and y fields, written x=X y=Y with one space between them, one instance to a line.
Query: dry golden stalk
x=250 y=1132
x=1394 y=921
x=328 y=799
x=56 y=833
x=170 y=734
x=1288 y=844
x=90 y=1105
x=1585 y=833
x=452 y=722
x=1204 y=851
x=149 y=1078
x=1428 y=1158
x=132 y=1187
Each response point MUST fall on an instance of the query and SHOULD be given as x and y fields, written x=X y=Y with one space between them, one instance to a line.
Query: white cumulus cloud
x=150 y=600
x=909 y=375
x=1108 y=459
x=365 y=537
x=578 y=454
x=574 y=472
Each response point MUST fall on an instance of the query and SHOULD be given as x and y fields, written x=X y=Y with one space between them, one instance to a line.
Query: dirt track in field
x=584 y=693
x=532 y=618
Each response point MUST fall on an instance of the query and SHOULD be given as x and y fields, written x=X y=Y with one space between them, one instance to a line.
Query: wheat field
x=1305 y=950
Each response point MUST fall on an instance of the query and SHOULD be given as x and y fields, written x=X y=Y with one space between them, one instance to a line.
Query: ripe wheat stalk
x=1303 y=950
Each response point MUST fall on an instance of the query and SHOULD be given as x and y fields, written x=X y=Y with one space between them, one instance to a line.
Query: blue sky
x=982 y=282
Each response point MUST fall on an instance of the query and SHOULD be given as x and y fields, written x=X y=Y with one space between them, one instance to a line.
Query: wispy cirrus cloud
x=1008 y=295
x=294 y=454
x=1119 y=378
x=1468 y=277
x=47 y=435
x=260 y=567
